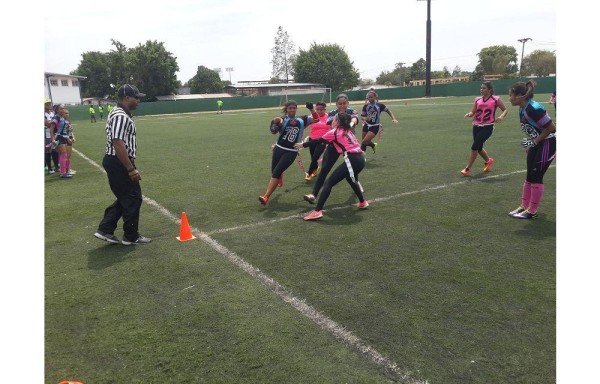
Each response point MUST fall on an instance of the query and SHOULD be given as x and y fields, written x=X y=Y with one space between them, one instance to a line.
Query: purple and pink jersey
x=342 y=140
x=485 y=112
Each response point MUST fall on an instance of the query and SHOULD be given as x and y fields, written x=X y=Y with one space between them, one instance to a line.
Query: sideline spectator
x=48 y=140
x=92 y=114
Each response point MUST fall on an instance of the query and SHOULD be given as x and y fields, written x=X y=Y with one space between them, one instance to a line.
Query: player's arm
x=471 y=113
x=504 y=111
x=394 y=120
x=548 y=129
x=121 y=152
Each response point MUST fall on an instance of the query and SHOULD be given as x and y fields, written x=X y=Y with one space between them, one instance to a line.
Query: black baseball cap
x=130 y=90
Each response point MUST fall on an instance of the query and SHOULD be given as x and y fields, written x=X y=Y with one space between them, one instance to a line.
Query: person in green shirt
x=220 y=106
x=101 y=110
x=92 y=114
x=109 y=108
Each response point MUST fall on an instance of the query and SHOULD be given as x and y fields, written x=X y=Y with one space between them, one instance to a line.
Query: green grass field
x=433 y=283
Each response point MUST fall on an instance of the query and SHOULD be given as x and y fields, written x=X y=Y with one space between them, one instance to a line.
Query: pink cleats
x=488 y=164
x=314 y=215
x=363 y=205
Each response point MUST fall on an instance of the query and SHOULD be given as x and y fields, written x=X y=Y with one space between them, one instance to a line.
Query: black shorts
x=372 y=128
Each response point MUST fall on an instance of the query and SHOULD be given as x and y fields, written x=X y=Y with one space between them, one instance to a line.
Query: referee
x=123 y=177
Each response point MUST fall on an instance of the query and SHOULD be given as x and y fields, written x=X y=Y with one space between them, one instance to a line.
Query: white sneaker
x=140 y=240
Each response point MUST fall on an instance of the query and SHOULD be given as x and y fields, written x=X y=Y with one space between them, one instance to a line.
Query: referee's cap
x=129 y=90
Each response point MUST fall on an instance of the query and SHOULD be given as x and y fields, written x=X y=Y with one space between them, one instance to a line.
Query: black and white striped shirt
x=120 y=125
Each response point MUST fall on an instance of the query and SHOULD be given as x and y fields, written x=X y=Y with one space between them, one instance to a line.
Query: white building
x=62 y=89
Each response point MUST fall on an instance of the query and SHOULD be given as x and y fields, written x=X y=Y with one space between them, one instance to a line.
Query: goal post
x=304 y=95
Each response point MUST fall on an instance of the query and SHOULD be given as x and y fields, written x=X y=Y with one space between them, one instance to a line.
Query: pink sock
x=537 y=191
x=526 y=195
x=62 y=161
x=68 y=165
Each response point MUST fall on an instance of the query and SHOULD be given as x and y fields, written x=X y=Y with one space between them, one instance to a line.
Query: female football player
x=540 y=145
x=290 y=128
x=343 y=141
x=484 y=116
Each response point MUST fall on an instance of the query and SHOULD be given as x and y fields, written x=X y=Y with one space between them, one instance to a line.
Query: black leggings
x=329 y=159
x=480 y=135
x=539 y=159
x=315 y=153
x=281 y=161
x=355 y=162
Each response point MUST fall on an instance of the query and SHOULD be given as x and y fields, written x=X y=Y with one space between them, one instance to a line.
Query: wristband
x=130 y=170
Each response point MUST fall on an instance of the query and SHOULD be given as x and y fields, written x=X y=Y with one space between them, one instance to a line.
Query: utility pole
x=524 y=40
x=428 y=53
x=229 y=69
x=401 y=73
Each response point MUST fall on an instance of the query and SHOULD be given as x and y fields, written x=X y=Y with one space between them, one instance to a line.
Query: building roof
x=193 y=96
x=279 y=85
x=48 y=74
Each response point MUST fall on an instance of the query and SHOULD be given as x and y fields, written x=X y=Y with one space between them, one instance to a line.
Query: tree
x=457 y=72
x=326 y=64
x=418 y=70
x=152 y=69
x=205 y=81
x=399 y=76
x=95 y=67
x=149 y=67
x=284 y=54
x=539 y=63
x=118 y=71
x=497 y=60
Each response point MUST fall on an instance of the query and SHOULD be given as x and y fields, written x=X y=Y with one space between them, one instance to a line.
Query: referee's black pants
x=128 y=203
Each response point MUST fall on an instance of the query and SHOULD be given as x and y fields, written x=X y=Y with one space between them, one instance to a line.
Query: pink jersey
x=340 y=138
x=318 y=129
x=485 y=112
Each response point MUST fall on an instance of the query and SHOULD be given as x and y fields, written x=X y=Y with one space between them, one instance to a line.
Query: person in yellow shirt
x=220 y=106
x=101 y=111
x=92 y=114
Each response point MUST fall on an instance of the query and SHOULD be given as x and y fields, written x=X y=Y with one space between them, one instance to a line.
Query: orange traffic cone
x=185 y=232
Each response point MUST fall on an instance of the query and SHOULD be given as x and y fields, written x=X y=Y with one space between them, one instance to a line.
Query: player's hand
x=274 y=127
x=310 y=106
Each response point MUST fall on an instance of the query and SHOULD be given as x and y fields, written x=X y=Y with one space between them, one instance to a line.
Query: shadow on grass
x=539 y=228
x=108 y=254
x=341 y=217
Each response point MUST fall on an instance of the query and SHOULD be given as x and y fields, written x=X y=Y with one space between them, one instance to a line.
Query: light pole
x=401 y=73
x=524 y=40
x=229 y=69
x=428 y=52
